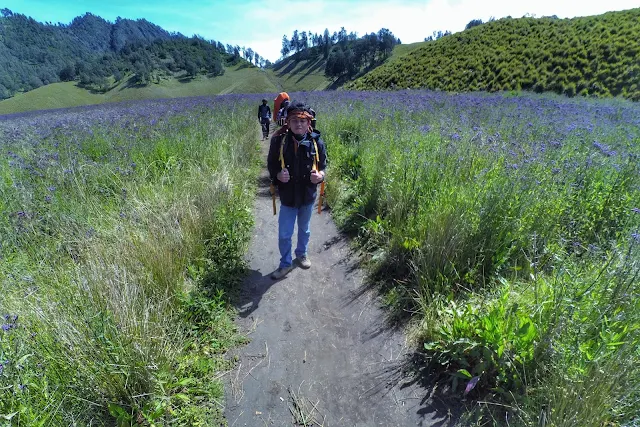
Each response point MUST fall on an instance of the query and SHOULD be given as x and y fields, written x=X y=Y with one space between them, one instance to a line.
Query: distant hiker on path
x=282 y=113
x=296 y=162
x=264 y=117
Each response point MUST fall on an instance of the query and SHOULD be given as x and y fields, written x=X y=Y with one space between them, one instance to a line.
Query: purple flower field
x=103 y=216
x=507 y=225
x=510 y=224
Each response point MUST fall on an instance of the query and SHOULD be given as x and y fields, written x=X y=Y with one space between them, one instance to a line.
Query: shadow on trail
x=263 y=187
x=395 y=318
x=414 y=372
x=385 y=279
x=255 y=286
x=417 y=371
x=411 y=370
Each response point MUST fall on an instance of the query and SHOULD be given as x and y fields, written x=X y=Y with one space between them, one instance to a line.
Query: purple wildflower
x=425 y=128
x=604 y=149
x=471 y=385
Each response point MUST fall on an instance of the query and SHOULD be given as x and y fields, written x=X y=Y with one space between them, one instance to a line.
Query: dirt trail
x=319 y=350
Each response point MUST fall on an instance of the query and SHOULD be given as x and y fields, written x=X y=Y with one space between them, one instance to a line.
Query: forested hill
x=98 y=53
x=596 y=55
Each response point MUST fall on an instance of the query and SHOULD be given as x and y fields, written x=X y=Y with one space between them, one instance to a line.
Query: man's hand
x=317 y=177
x=283 y=176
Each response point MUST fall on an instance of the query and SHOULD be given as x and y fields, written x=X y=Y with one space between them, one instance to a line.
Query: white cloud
x=411 y=21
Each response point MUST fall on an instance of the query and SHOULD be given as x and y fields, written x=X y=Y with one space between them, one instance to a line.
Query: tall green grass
x=119 y=248
x=509 y=238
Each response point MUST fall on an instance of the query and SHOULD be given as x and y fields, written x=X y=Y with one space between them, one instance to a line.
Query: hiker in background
x=296 y=162
x=277 y=105
x=264 y=117
x=282 y=113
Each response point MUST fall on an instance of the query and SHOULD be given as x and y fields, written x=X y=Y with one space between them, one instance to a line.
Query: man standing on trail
x=264 y=117
x=296 y=162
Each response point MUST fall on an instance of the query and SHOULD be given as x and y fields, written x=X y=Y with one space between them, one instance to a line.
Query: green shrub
x=557 y=51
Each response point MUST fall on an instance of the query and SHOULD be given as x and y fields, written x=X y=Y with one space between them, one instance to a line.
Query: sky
x=260 y=25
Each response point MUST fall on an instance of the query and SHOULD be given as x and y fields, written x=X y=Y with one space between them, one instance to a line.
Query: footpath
x=320 y=353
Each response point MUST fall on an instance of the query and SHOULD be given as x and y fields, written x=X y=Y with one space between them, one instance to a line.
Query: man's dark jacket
x=264 y=112
x=299 y=190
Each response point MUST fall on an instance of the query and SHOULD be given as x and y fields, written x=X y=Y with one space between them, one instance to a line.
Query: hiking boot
x=303 y=262
x=280 y=273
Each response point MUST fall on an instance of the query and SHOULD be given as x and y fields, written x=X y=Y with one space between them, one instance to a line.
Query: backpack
x=277 y=103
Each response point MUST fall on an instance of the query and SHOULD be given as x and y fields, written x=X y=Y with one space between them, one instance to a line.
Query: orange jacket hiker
x=277 y=102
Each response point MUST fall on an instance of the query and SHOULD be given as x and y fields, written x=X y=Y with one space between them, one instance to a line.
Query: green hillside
x=92 y=61
x=33 y=54
x=237 y=79
x=597 y=55
x=98 y=55
x=293 y=74
x=306 y=71
x=403 y=49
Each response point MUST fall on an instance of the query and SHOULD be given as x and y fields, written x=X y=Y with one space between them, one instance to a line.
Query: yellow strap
x=316 y=159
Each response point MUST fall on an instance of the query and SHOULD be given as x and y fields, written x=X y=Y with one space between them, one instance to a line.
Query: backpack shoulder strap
x=316 y=158
x=283 y=139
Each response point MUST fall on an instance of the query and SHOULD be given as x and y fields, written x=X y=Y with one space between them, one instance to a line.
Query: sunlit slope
x=403 y=49
x=62 y=95
x=596 y=55
x=55 y=95
x=293 y=75
x=297 y=73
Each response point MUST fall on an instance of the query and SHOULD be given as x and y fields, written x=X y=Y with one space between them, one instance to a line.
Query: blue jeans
x=286 y=222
